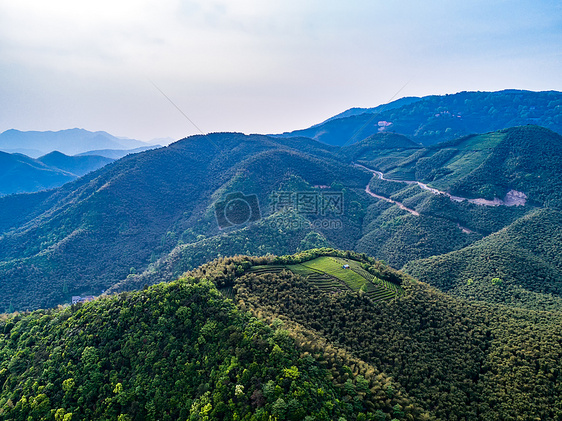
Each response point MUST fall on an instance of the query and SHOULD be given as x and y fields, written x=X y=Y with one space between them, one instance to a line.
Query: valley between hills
x=349 y=271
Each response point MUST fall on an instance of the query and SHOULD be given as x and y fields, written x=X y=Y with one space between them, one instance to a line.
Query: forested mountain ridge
x=516 y=265
x=378 y=109
x=179 y=351
x=519 y=265
x=393 y=234
x=524 y=159
x=88 y=234
x=435 y=119
x=152 y=216
x=461 y=360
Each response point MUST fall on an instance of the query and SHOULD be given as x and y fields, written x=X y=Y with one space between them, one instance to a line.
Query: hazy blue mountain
x=69 y=142
x=19 y=174
x=22 y=174
x=434 y=119
x=33 y=153
x=77 y=165
x=118 y=153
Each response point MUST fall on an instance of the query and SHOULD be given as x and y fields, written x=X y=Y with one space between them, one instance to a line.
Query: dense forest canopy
x=458 y=359
x=282 y=347
x=181 y=351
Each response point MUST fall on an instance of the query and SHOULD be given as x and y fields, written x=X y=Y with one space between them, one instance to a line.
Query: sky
x=149 y=69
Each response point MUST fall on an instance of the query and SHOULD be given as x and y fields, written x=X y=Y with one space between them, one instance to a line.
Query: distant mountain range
x=43 y=160
x=22 y=174
x=69 y=142
x=115 y=221
x=434 y=119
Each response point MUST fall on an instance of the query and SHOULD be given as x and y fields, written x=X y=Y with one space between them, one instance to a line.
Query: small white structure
x=345 y=266
x=76 y=299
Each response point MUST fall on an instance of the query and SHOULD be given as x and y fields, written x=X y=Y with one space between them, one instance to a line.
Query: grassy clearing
x=334 y=267
x=302 y=270
x=355 y=278
x=327 y=273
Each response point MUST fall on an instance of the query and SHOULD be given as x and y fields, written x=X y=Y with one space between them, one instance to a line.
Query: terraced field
x=327 y=283
x=329 y=275
x=377 y=289
x=334 y=267
x=323 y=280
x=259 y=270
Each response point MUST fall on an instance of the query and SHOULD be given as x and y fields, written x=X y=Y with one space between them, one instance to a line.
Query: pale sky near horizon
x=258 y=66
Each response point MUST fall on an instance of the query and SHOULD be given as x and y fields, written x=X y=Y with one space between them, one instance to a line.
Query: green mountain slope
x=378 y=109
x=432 y=225
x=379 y=229
x=93 y=232
x=152 y=216
x=176 y=351
x=181 y=350
x=435 y=119
x=524 y=159
x=524 y=256
x=380 y=148
x=278 y=233
x=527 y=159
x=516 y=260
x=457 y=359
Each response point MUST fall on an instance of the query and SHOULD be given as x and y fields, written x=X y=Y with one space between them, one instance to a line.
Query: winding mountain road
x=423 y=186
x=512 y=198
x=399 y=204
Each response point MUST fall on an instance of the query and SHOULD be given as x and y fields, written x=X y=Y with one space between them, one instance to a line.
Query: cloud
x=258 y=65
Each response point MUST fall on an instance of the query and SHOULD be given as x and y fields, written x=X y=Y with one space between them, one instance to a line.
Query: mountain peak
x=68 y=141
x=437 y=118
